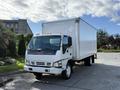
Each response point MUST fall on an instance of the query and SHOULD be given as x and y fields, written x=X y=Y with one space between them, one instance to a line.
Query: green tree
x=21 y=45
x=6 y=36
x=117 y=41
x=12 y=48
x=111 y=41
x=102 y=38
x=28 y=38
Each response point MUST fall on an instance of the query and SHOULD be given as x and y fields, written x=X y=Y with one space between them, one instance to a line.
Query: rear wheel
x=66 y=74
x=88 y=61
x=93 y=59
x=38 y=75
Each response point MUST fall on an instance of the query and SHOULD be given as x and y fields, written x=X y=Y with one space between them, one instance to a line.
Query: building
x=19 y=26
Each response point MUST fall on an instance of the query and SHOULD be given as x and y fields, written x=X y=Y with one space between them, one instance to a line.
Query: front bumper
x=50 y=70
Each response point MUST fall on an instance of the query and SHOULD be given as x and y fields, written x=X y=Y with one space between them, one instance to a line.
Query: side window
x=65 y=40
x=65 y=43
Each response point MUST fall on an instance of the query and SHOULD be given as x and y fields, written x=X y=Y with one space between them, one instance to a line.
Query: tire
x=38 y=75
x=88 y=61
x=66 y=74
x=72 y=63
x=93 y=59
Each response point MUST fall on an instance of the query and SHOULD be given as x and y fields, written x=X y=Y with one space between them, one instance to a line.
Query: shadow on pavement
x=95 y=77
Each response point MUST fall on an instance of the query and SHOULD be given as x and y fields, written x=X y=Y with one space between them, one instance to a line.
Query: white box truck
x=61 y=44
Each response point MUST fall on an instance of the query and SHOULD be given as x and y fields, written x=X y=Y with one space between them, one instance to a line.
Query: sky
x=103 y=14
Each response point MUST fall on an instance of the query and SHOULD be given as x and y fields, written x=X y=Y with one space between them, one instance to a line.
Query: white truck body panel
x=83 y=35
x=87 y=40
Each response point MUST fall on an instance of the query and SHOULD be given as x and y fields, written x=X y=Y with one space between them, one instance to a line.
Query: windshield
x=45 y=43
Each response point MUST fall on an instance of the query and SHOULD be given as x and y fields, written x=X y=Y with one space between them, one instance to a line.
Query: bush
x=99 y=50
x=12 y=48
x=3 y=52
x=20 y=65
x=21 y=46
x=2 y=63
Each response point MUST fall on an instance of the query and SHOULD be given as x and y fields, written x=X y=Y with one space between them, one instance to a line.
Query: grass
x=108 y=50
x=19 y=65
x=8 y=68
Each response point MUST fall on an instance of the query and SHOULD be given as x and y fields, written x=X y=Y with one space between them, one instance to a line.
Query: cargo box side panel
x=87 y=40
x=58 y=28
x=67 y=27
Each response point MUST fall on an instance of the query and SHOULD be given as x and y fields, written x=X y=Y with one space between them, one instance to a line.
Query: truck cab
x=51 y=54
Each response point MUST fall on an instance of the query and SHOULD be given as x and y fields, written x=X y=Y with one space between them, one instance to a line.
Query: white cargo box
x=83 y=35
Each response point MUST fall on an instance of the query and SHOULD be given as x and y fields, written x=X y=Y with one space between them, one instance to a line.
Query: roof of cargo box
x=77 y=18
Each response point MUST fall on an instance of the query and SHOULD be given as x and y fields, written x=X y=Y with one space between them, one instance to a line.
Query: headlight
x=27 y=62
x=57 y=64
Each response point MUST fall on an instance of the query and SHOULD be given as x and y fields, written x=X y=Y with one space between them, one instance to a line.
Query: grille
x=48 y=64
x=40 y=63
x=32 y=63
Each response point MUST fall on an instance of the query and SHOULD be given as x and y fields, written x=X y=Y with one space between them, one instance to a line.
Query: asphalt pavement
x=103 y=75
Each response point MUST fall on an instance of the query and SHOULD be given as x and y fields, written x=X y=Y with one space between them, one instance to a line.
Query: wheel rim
x=68 y=71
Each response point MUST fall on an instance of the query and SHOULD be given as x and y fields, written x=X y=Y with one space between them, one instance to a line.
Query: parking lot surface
x=103 y=75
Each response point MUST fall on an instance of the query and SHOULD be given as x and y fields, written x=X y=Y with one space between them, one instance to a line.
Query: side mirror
x=69 y=41
x=63 y=48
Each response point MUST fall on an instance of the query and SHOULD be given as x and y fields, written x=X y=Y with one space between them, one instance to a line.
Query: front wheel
x=38 y=75
x=66 y=74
